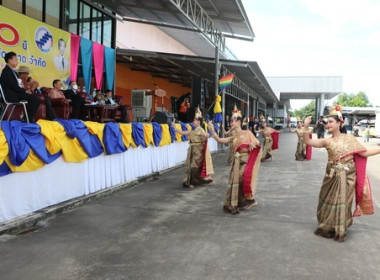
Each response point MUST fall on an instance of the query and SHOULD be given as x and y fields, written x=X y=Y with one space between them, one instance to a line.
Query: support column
x=317 y=103
x=254 y=113
x=322 y=104
x=248 y=108
x=377 y=124
x=217 y=69
x=216 y=86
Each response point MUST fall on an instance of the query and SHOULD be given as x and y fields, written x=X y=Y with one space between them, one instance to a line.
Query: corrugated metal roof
x=181 y=69
x=302 y=87
x=228 y=16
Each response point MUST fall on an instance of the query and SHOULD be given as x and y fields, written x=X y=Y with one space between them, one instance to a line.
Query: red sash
x=364 y=204
x=204 y=170
x=247 y=177
x=309 y=149
x=275 y=136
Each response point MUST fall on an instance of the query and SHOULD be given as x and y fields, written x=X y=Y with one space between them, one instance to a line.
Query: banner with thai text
x=39 y=46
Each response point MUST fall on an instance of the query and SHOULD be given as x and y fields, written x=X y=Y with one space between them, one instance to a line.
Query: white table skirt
x=25 y=192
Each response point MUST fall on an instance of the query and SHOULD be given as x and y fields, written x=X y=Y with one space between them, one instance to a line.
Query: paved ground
x=157 y=230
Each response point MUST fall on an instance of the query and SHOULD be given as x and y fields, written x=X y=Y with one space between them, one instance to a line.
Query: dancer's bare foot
x=191 y=187
x=324 y=234
x=250 y=203
x=211 y=183
x=226 y=209
x=234 y=210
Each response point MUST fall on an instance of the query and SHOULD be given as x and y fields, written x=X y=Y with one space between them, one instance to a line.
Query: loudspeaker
x=198 y=93
x=163 y=117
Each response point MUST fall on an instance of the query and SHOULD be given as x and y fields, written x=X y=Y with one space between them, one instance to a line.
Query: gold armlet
x=307 y=131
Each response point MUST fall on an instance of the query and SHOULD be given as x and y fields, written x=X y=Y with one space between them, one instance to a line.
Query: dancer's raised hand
x=307 y=121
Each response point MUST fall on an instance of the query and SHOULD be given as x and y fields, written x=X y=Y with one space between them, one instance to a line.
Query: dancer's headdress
x=336 y=111
x=198 y=113
x=236 y=113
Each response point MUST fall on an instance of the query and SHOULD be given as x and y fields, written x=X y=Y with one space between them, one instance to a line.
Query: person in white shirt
x=60 y=61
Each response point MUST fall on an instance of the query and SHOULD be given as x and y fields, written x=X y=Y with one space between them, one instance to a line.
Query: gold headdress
x=236 y=113
x=337 y=111
x=198 y=113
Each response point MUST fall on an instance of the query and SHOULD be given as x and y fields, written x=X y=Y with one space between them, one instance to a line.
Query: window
x=85 y=20
x=96 y=27
x=107 y=31
x=33 y=8
x=15 y=5
x=71 y=16
x=52 y=12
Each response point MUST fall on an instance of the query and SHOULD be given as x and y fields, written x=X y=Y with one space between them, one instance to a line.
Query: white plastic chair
x=13 y=104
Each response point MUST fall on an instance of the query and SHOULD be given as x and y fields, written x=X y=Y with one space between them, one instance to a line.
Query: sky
x=316 y=38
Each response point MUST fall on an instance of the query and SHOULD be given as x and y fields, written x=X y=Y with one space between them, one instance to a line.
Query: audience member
x=77 y=101
x=121 y=108
x=23 y=73
x=27 y=82
x=99 y=97
x=35 y=87
x=12 y=86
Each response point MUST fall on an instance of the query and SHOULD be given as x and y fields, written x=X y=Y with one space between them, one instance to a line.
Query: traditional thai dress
x=243 y=175
x=270 y=143
x=345 y=175
x=301 y=147
x=232 y=152
x=198 y=166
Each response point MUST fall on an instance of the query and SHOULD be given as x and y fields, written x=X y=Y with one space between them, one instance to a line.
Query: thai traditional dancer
x=345 y=177
x=246 y=161
x=271 y=140
x=198 y=166
x=230 y=133
x=301 y=147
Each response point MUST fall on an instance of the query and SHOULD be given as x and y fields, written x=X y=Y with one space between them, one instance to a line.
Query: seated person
x=35 y=87
x=121 y=108
x=77 y=101
x=100 y=98
x=23 y=74
x=56 y=91
x=27 y=82
x=13 y=89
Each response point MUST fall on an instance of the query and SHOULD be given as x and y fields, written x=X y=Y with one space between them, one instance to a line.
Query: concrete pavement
x=158 y=230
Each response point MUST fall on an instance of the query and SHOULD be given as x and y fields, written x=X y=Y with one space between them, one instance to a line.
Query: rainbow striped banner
x=226 y=81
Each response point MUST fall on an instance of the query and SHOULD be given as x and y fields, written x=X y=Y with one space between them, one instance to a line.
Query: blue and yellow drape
x=28 y=147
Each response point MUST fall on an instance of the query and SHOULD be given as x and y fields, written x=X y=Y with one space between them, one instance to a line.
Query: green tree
x=308 y=110
x=353 y=100
x=290 y=113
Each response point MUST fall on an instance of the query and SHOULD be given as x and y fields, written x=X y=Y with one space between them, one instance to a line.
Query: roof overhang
x=213 y=19
x=370 y=111
x=228 y=16
x=306 y=87
x=306 y=95
x=182 y=68
x=356 y=111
